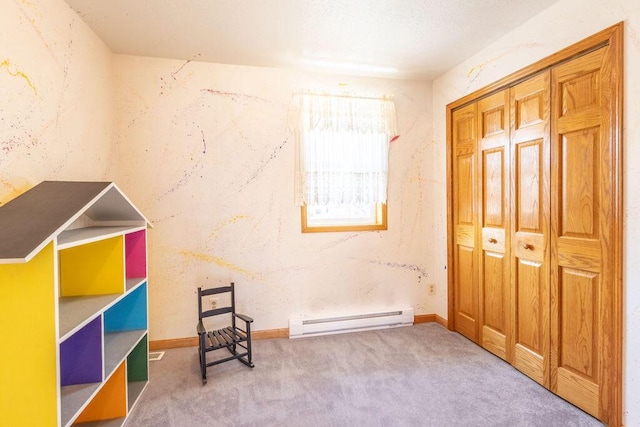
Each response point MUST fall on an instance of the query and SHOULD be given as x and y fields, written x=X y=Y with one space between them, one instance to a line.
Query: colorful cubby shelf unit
x=73 y=305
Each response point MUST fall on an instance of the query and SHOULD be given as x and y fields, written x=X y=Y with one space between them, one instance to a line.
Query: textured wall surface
x=205 y=151
x=563 y=24
x=56 y=109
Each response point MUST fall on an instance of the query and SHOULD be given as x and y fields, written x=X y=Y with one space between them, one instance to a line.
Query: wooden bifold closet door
x=530 y=217
x=481 y=217
x=535 y=222
x=583 y=238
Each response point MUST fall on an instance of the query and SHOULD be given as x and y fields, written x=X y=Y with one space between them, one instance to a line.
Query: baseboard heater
x=313 y=326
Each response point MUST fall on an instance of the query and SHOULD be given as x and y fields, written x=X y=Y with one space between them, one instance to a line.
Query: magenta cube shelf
x=135 y=253
x=81 y=355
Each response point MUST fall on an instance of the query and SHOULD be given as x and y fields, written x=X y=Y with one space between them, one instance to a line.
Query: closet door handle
x=492 y=240
x=527 y=246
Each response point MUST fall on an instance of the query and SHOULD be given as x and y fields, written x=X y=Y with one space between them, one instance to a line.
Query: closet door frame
x=611 y=37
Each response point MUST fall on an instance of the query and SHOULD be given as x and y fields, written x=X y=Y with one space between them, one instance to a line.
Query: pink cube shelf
x=136 y=255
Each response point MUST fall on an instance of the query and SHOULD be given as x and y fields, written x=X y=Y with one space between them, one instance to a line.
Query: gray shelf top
x=75 y=312
x=32 y=220
x=118 y=345
x=73 y=398
x=81 y=236
x=134 y=391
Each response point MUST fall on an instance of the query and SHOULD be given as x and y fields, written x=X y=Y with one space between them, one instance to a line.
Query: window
x=342 y=160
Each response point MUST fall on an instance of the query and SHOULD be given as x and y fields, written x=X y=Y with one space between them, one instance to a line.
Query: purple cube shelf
x=81 y=355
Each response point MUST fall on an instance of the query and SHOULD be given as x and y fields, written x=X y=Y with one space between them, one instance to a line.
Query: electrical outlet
x=213 y=303
x=431 y=289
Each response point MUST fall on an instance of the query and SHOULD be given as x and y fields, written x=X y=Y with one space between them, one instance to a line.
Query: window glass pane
x=319 y=215
x=345 y=168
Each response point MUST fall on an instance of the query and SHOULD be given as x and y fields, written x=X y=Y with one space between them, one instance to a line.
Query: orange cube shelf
x=111 y=400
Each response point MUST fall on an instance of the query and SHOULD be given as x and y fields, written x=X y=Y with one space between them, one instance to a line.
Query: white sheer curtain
x=342 y=147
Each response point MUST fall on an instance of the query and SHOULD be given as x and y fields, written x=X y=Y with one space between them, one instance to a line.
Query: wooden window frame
x=381 y=222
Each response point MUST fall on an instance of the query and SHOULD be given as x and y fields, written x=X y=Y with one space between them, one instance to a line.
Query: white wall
x=204 y=150
x=56 y=107
x=563 y=24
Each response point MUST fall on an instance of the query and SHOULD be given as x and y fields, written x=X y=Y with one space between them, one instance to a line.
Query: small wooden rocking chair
x=230 y=337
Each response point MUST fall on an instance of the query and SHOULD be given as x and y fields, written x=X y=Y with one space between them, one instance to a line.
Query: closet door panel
x=465 y=273
x=467 y=299
x=530 y=159
x=583 y=254
x=530 y=307
x=579 y=294
x=494 y=286
x=577 y=355
x=582 y=271
x=495 y=313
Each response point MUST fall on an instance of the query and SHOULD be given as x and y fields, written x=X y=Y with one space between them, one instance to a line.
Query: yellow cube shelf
x=93 y=269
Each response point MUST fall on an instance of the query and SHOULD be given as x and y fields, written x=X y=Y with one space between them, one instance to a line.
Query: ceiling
x=409 y=39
